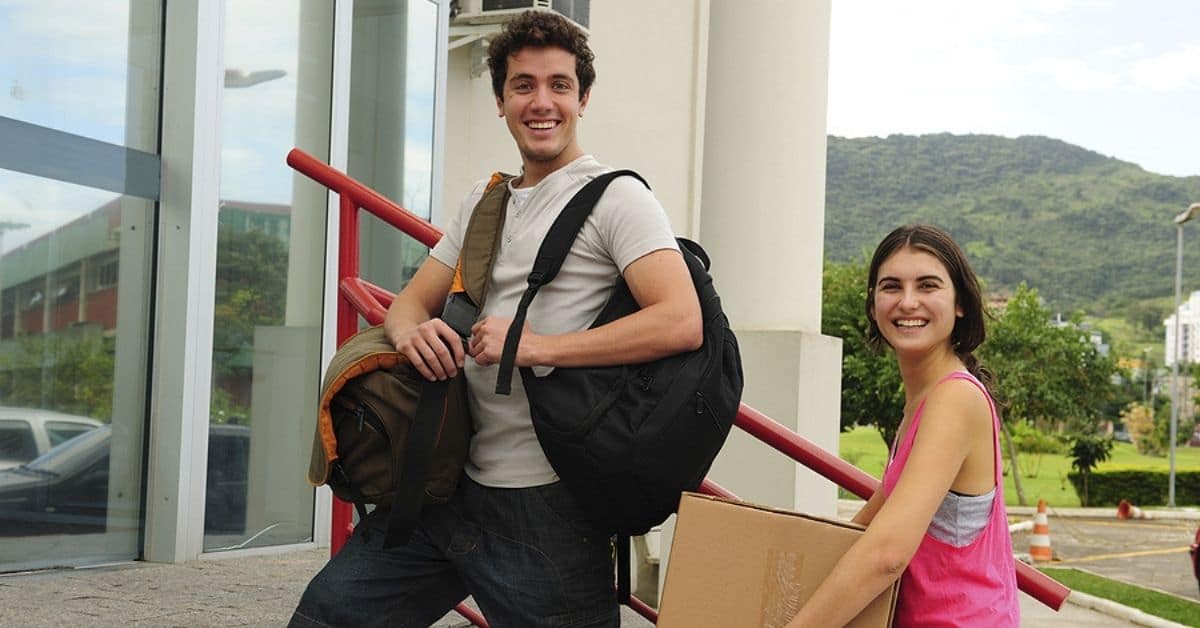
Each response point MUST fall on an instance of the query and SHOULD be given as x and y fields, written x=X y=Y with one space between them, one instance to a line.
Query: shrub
x=1140 y=487
x=1032 y=444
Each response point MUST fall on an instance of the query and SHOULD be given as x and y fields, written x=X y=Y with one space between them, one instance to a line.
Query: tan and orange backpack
x=387 y=436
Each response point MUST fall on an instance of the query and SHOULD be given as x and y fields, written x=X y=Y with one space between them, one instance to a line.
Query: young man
x=512 y=537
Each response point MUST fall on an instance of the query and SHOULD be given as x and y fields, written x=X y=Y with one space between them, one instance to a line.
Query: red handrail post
x=342 y=517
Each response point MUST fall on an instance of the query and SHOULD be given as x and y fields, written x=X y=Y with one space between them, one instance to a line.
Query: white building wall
x=1189 y=326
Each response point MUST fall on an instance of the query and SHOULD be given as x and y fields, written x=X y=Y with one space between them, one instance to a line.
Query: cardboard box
x=734 y=564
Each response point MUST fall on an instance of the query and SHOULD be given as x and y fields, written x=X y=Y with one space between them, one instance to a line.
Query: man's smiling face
x=541 y=105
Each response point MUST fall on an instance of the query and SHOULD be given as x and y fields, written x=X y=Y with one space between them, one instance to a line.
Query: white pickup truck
x=26 y=433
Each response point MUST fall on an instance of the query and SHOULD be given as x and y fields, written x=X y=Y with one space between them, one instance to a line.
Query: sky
x=1120 y=77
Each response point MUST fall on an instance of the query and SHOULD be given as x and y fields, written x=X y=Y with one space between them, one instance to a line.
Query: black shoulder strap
x=549 y=261
x=624 y=567
x=416 y=452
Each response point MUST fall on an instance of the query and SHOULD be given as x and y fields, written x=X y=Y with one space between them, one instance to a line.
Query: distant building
x=68 y=277
x=1087 y=331
x=1189 y=326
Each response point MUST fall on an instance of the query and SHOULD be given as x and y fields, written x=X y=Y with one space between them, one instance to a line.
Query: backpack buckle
x=460 y=313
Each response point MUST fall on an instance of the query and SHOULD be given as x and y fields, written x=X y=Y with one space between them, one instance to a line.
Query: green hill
x=1089 y=232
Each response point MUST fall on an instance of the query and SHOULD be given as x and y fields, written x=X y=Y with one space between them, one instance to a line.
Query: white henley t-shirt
x=626 y=224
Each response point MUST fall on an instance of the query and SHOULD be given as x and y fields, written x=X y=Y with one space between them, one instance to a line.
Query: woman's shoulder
x=958 y=398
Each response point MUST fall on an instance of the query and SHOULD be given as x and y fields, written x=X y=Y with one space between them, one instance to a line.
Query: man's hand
x=433 y=348
x=487 y=342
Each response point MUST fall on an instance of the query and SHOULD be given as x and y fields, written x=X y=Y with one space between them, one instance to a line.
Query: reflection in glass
x=393 y=74
x=90 y=68
x=64 y=340
x=270 y=261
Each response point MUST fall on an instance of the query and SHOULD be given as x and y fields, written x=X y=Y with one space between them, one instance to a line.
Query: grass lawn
x=1043 y=477
x=1158 y=604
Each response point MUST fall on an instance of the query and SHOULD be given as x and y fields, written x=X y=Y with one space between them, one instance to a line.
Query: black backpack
x=628 y=440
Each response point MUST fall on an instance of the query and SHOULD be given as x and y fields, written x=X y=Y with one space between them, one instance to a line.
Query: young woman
x=938 y=523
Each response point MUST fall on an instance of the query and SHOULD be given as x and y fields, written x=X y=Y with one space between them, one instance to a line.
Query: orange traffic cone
x=1039 y=541
x=1126 y=510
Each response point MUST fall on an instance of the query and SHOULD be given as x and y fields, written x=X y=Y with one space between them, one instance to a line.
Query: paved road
x=1147 y=553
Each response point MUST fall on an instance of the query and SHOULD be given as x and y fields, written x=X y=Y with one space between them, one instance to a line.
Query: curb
x=1190 y=513
x=1120 y=611
x=1108 y=512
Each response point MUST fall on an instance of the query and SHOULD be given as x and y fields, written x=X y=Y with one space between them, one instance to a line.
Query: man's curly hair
x=540 y=29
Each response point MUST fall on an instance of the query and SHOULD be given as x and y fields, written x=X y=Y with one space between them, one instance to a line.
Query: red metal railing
x=359 y=297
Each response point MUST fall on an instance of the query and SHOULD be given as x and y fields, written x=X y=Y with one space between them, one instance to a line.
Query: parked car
x=65 y=490
x=26 y=433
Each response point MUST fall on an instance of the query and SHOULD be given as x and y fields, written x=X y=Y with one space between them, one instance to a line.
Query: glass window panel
x=270 y=265
x=58 y=432
x=82 y=67
x=64 y=345
x=392 y=114
x=16 y=443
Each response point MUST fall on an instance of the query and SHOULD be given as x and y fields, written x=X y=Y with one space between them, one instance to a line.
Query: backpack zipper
x=359 y=411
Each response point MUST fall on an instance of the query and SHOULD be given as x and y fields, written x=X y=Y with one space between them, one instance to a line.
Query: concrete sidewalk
x=254 y=590
x=1188 y=513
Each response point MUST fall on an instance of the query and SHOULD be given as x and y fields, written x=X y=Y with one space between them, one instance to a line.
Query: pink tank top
x=974 y=585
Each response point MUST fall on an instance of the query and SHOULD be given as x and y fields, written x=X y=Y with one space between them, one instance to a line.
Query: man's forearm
x=648 y=334
x=643 y=336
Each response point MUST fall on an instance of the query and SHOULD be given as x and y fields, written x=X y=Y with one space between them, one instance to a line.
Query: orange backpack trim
x=367 y=364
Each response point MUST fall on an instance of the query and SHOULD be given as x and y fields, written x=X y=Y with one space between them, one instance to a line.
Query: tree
x=872 y=390
x=69 y=372
x=1140 y=425
x=1049 y=374
x=251 y=290
x=1088 y=451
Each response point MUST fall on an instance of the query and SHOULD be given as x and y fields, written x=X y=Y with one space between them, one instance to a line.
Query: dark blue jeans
x=527 y=556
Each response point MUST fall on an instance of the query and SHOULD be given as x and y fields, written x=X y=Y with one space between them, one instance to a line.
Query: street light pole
x=1179 y=220
x=1146 y=380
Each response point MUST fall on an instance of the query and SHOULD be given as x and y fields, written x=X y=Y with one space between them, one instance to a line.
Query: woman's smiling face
x=915 y=305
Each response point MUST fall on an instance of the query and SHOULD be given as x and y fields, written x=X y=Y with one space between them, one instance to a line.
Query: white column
x=762 y=221
x=192 y=80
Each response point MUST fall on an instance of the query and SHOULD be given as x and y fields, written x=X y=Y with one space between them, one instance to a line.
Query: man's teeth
x=910 y=323
x=542 y=125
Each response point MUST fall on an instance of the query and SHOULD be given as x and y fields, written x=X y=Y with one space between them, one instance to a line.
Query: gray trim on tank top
x=961 y=518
